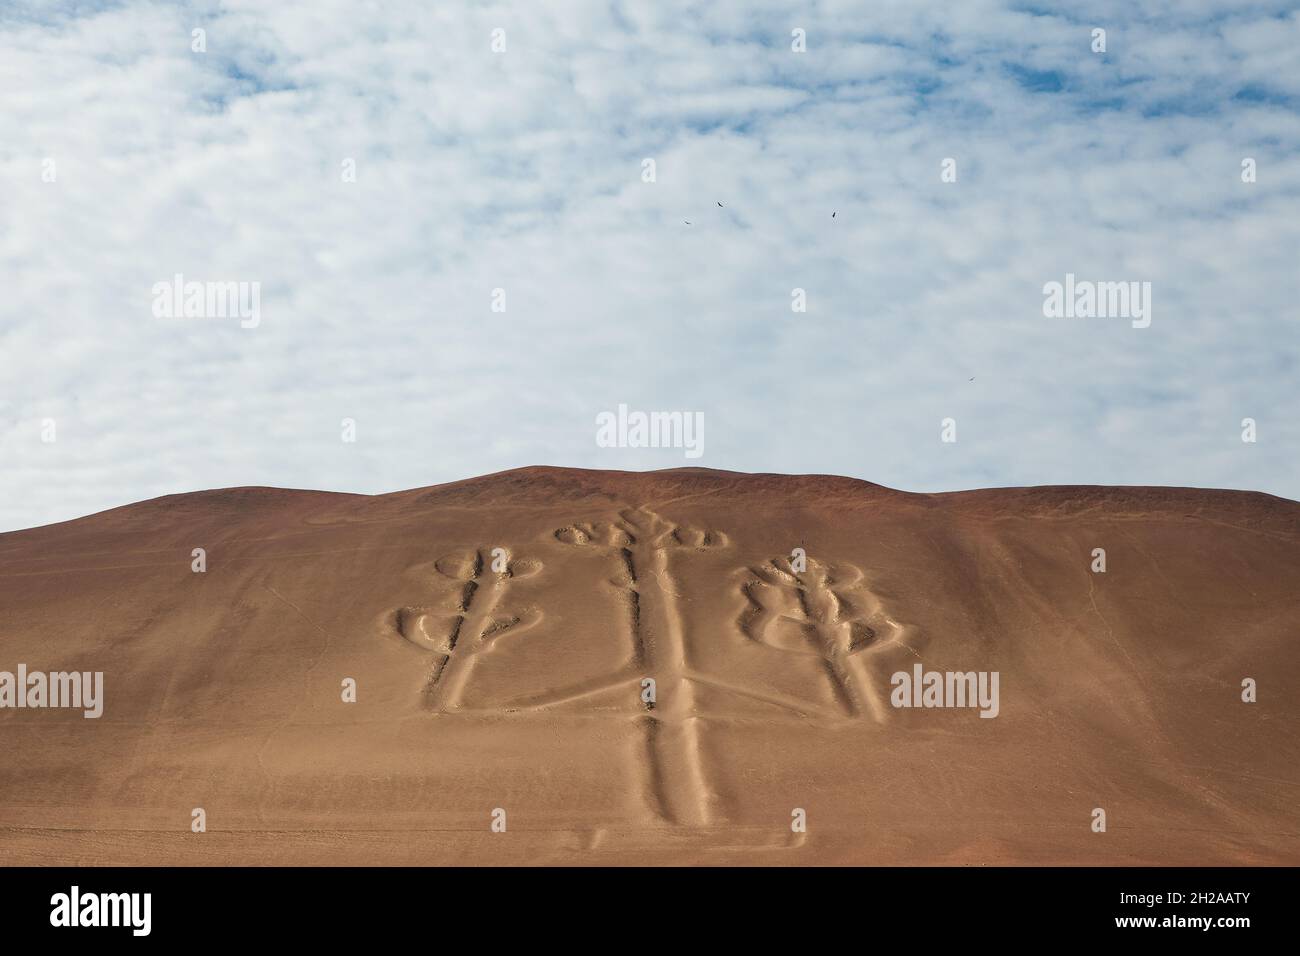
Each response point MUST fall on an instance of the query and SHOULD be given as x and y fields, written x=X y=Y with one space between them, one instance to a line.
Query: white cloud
x=522 y=170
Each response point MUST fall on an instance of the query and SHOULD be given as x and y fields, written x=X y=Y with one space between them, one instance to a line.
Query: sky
x=380 y=170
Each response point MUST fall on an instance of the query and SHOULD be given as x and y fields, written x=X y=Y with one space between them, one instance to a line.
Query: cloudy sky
x=127 y=157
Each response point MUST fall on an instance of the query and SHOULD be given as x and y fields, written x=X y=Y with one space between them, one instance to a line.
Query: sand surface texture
x=515 y=678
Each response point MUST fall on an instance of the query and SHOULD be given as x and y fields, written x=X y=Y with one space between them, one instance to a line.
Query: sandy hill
x=501 y=632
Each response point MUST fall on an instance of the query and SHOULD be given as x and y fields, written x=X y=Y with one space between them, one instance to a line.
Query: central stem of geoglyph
x=672 y=727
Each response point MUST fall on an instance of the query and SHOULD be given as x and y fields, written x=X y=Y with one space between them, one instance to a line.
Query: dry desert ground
x=501 y=634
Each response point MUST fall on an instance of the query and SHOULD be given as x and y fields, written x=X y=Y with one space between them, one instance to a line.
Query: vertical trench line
x=837 y=662
x=436 y=688
x=634 y=607
x=480 y=603
x=692 y=733
x=634 y=623
x=652 y=776
x=682 y=727
x=877 y=705
x=675 y=643
x=431 y=682
x=842 y=681
x=655 y=776
x=654 y=787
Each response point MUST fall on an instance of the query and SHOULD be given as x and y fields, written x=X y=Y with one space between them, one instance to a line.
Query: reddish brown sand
x=522 y=690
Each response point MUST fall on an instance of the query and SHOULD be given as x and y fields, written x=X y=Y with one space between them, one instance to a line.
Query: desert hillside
x=502 y=634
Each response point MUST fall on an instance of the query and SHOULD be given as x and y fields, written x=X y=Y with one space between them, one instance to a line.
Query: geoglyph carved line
x=471 y=627
x=828 y=612
x=640 y=541
x=821 y=611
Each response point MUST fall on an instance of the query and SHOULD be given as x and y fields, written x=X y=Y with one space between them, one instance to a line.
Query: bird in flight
x=719 y=205
x=687 y=221
x=833 y=214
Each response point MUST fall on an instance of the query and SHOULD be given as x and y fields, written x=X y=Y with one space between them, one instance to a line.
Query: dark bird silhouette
x=687 y=221
x=719 y=205
x=832 y=215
